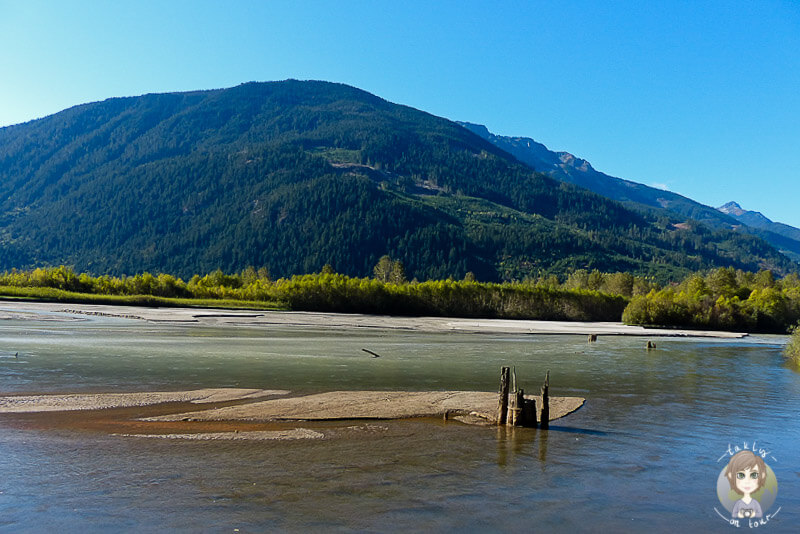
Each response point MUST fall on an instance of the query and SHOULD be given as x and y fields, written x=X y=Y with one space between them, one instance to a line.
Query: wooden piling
x=515 y=408
x=650 y=345
x=592 y=338
x=529 y=413
x=544 y=418
x=502 y=408
x=512 y=408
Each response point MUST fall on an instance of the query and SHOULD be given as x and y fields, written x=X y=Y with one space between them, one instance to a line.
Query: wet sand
x=239 y=415
x=101 y=401
x=344 y=405
x=207 y=317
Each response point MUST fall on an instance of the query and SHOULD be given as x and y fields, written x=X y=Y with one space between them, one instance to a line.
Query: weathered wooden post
x=515 y=408
x=650 y=345
x=544 y=418
x=502 y=408
x=512 y=406
x=529 y=412
x=592 y=338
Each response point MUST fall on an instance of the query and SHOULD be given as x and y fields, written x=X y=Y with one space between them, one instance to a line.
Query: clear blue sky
x=702 y=98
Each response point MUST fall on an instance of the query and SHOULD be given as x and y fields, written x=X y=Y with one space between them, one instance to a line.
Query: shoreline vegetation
x=721 y=299
x=792 y=350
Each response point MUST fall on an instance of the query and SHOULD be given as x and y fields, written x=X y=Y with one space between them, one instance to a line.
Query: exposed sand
x=251 y=419
x=255 y=318
x=101 y=401
x=370 y=405
x=334 y=405
x=256 y=435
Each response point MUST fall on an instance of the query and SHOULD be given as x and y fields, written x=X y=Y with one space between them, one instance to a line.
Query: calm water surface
x=642 y=455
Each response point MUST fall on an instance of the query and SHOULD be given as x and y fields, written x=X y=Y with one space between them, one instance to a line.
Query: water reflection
x=512 y=441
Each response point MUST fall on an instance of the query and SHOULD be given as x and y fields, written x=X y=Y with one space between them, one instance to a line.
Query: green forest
x=722 y=299
x=296 y=175
x=718 y=299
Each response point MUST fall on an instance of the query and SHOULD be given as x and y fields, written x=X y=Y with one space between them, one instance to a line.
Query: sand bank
x=343 y=405
x=255 y=435
x=334 y=405
x=242 y=416
x=102 y=401
x=266 y=319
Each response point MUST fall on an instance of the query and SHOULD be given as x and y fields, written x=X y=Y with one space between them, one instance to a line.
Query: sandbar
x=255 y=435
x=206 y=317
x=242 y=414
x=343 y=405
x=103 y=401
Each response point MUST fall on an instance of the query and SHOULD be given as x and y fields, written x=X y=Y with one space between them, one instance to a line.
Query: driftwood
x=374 y=354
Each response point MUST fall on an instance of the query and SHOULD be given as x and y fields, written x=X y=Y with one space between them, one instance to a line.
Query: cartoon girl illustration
x=746 y=473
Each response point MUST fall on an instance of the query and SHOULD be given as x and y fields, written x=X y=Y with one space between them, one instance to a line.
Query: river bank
x=22 y=310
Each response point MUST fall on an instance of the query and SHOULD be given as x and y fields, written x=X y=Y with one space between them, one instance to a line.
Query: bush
x=792 y=350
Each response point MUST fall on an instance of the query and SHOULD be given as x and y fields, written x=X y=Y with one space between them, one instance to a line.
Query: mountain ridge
x=758 y=220
x=569 y=168
x=295 y=175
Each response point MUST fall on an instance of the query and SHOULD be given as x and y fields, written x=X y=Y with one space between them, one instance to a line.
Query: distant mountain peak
x=579 y=164
x=731 y=208
x=751 y=218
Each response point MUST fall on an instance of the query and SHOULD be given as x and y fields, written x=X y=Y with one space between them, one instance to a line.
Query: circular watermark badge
x=747 y=486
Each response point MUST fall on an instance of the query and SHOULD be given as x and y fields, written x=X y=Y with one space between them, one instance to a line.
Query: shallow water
x=641 y=455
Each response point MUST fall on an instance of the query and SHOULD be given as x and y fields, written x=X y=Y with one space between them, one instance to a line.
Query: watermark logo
x=747 y=486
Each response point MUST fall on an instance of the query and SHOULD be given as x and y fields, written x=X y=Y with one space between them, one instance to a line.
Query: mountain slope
x=566 y=167
x=293 y=175
x=782 y=236
x=756 y=219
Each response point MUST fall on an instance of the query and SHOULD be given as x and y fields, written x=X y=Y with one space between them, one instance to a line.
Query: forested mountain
x=294 y=175
x=568 y=168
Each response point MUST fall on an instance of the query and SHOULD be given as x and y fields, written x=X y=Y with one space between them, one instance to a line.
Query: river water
x=642 y=455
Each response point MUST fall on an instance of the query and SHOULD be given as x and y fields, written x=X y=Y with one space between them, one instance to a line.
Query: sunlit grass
x=47 y=294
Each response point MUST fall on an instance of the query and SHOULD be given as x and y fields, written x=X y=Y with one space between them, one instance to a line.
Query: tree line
x=718 y=299
x=388 y=292
x=722 y=299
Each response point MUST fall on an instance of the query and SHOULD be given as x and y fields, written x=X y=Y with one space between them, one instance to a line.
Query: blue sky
x=699 y=97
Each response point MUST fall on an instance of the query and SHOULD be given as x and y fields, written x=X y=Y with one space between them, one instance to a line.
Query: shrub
x=792 y=350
